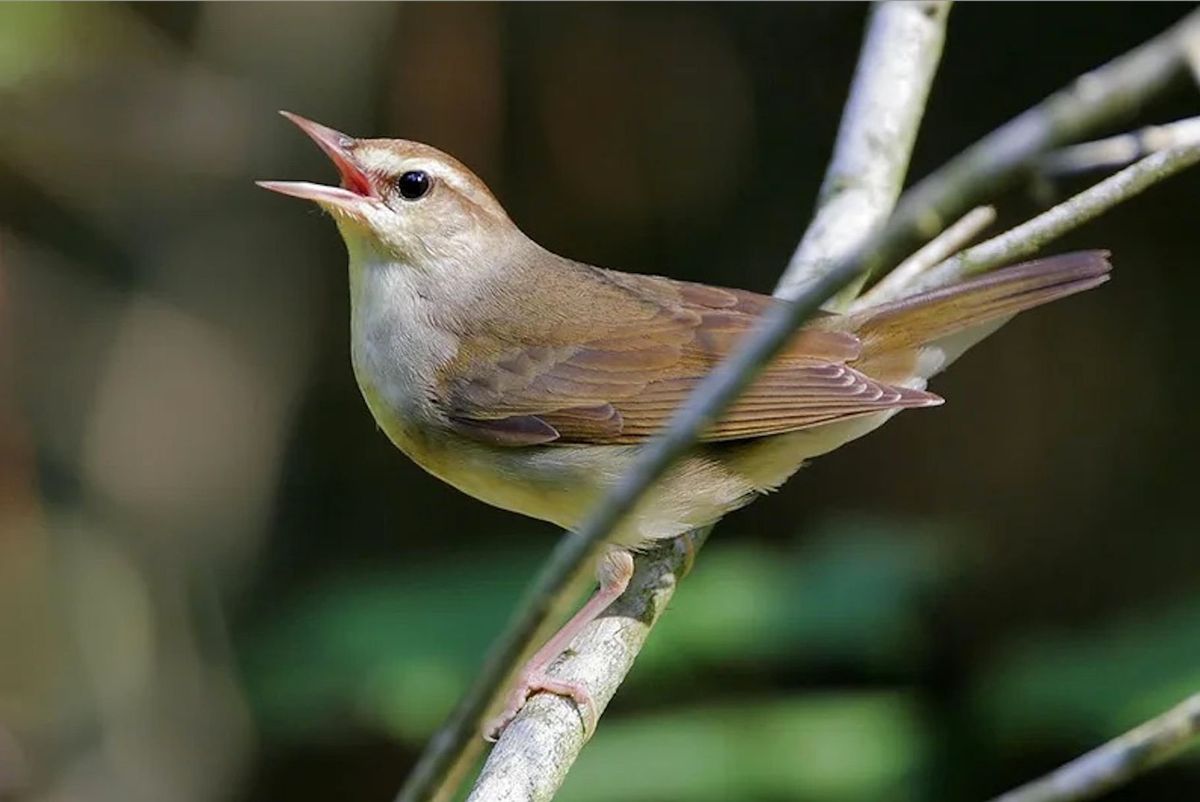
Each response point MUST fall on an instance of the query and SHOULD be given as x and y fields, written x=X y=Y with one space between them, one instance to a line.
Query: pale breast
x=395 y=349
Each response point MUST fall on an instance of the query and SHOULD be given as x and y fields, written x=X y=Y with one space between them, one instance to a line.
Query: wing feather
x=630 y=372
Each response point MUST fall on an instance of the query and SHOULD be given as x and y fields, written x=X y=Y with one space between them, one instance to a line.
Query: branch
x=1030 y=236
x=1111 y=93
x=1117 y=761
x=531 y=759
x=1118 y=151
x=937 y=250
x=455 y=747
x=875 y=139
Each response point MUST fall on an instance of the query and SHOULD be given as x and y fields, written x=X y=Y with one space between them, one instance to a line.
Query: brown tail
x=959 y=316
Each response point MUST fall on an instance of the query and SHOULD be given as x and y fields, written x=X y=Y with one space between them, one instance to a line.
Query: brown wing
x=628 y=370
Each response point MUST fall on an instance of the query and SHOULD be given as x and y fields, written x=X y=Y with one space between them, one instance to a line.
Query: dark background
x=218 y=581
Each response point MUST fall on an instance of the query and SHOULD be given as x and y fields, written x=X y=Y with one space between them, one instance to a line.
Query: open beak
x=356 y=188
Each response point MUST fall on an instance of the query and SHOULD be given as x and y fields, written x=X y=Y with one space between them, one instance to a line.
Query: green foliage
x=850 y=593
x=828 y=746
x=393 y=650
x=1091 y=685
x=396 y=648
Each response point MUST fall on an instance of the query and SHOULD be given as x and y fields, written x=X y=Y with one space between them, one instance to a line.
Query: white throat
x=395 y=344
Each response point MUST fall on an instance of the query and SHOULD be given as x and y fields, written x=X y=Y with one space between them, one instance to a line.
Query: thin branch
x=1117 y=761
x=1030 y=236
x=1108 y=94
x=532 y=758
x=1118 y=151
x=879 y=126
x=937 y=250
x=454 y=749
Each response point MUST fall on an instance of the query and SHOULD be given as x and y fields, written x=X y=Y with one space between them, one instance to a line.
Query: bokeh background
x=218 y=581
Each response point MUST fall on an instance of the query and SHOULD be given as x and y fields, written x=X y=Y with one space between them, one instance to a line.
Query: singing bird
x=529 y=380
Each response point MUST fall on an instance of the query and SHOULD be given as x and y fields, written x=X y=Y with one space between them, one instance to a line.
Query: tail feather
x=955 y=318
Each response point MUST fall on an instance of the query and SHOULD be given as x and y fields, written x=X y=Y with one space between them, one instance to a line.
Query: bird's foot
x=536 y=682
x=614 y=571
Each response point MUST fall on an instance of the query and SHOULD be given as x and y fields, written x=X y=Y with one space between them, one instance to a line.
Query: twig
x=1117 y=761
x=1112 y=92
x=458 y=743
x=1118 y=151
x=1030 y=236
x=532 y=758
x=937 y=250
x=875 y=139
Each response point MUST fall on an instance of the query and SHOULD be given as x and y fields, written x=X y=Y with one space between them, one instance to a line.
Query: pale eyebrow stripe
x=387 y=162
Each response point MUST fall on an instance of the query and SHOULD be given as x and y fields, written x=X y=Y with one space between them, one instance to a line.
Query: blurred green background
x=218 y=581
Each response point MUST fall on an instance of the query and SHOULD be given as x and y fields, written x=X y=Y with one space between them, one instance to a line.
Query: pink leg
x=614 y=572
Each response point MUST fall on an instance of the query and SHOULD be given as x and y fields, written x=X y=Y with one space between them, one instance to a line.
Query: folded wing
x=623 y=379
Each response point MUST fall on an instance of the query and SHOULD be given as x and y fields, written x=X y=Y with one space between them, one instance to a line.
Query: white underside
x=561 y=483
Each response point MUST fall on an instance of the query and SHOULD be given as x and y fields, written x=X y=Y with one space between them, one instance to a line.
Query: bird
x=529 y=380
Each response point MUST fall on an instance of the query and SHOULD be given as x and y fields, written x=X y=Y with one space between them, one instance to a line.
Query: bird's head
x=399 y=199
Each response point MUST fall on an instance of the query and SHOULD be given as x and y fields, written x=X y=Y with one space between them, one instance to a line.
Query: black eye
x=413 y=184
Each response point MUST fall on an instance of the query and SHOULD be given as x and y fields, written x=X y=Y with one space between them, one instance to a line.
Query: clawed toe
x=614 y=571
x=575 y=691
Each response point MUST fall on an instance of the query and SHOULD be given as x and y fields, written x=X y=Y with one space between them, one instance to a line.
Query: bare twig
x=532 y=758
x=875 y=140
x=1030 y=236
x=941 y=247
x=1117 y=761
x=1110 y=93
x=457 y=745
x=1118 y=151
